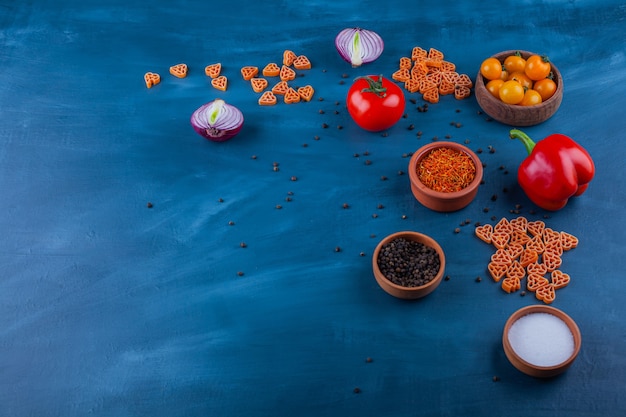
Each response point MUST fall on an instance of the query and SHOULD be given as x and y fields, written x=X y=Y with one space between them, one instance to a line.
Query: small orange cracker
x=497 y=271
x=536 y=244
x=519 y=238
x=302 y=62
x=568 y=241
x=451 y=77
x=528 y=257
x=412 y=85
x=516 y=270
x=559 y=279
x=306 y=92
x=418 y=53
x=550 y=236
x=249 y=71
x=514 y=250
x=292 y=96
x=220 y=83
x=435 y=78
x=431 y=95
x=401 y=75
x=258 y=84
x=151 y=78
x=500 y=239
x=213 y=70
x=502 y=257
x=534 y=281
x=536 y=227
x=511 y=284
x=433 y=64
x=435 y=54
x=519 y=223
x=447 y=66
x=461 y=92
x=503 y=225
x=271 y=70
x=419 y=68
x=546 y=294
x=446 y=87
x=289 y=57
x=267 y=99
x=179 y=70
x=426 y=84
x=280 y=88
x=287 y=74
x=464 y=81
x=484 y=232
x=405 y=63
x=555 y=247
x=536 y=268
x=551 y=260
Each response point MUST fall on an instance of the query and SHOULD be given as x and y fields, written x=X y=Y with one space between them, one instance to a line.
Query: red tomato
x=375 y=103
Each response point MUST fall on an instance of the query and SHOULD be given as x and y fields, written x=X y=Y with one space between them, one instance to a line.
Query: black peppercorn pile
x=408 y=263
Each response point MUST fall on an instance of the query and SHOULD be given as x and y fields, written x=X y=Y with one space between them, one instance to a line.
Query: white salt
x=541 y=339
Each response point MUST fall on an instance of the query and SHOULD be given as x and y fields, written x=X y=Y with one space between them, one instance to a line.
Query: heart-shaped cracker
x=435 y=54
x=213 y=70
x=462 y=92
x=302 y=63
x=258 y=84
x=151 y=79
x=515 y=250
x=536 y=244
x=267 y=99
x=402 y=75
x=537 y=269
x=501 y=256
x=500 y=239
x=551 y=260
x=559 y=279
x=516 y=270
x=271 y=70
x=306 y=92
x=280 y=88
x=511 y=284
x=405 y=62
x=220 y=83
x=249 y=71
x=496 y=270
x=289 y=57
x=464 y=81
x=419 y=53
x=431 y=95
x=446 y=87
x=179 y=70
x=484 y=232
x=550 y=236
x=568 y=241
x=287 y=74
x=503 y=225
x=546 y=293
x=519 y=223
x=535 y=281
x=291 y=96
x=412 y=85
x=519 y=237
x=528 y=257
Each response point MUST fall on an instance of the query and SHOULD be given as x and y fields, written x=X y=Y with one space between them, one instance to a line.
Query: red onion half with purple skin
x=359 y=46
x=217 y=121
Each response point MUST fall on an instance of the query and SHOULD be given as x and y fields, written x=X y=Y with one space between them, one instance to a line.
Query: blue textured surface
x=110 y=308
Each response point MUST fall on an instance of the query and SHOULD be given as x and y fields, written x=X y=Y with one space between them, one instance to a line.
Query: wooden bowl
x=524 y=365
x=400 y=291
x=440 y=201
x=515 y=115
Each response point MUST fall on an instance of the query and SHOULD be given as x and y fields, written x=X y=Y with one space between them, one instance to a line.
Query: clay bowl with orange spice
x=445 y=175
x=513 y=114
x=541 y=341
x=408 y=264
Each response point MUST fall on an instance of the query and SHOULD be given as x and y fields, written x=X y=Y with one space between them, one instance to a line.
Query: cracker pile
x=429 y=74
x=527 y=250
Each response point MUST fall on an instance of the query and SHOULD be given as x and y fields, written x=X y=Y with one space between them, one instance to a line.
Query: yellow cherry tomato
x=491 y=69
x=545 y=87
x=514 y=63
x=493 y=87
x=531 y=98
x=511 y=92
x=537 y=67
x=521 y=78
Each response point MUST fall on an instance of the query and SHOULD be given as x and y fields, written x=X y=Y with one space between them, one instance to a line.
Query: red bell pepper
x=556 y=169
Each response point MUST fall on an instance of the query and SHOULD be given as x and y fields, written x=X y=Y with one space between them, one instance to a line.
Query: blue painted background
x=111 y=308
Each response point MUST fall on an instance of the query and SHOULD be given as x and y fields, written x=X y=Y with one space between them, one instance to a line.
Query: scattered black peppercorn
x=220 y=200
x=495 y=378
x=383 y=178
x=253 y=157
x=369 y=360
x=457 y=230
x=337 y=249
x=380 y=206
x=243 y=245
x=324 y=125
x=240 y=273
x=346 y=205
x=294 y=178
x=408 y=263
x=404 y=217
x=231 y=223
x=494 y=197
x=357 y=390
x=278 y=206
x=368 y=162
x=478 y=279
x=149 y=205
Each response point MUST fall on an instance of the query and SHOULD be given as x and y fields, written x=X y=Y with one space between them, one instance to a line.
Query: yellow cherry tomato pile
x=519 y=81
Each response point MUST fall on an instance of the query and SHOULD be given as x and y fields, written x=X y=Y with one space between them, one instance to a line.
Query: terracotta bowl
x=440 y=201
x=409 y=292
x=515 y=115
x=531 y=369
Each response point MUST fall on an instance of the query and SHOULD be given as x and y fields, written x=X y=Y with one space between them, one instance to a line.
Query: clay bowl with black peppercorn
x=513 y=114
x=449 y=185
x=408 y=264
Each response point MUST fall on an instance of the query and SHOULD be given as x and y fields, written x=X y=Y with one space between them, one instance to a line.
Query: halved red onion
x=217 y=120
x=359 y=46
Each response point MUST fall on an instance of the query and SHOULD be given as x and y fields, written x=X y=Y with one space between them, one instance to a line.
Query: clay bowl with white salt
x=541 y=341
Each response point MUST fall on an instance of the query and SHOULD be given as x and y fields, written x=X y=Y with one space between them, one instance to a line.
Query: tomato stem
x=374 y=86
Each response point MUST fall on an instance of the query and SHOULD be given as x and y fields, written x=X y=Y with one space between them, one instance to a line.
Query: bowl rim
x=424 y=150
x=423 y=238
x=480 y=83
x=538 y=308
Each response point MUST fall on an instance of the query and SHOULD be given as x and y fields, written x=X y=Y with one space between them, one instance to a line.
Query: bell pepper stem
x=524 y=138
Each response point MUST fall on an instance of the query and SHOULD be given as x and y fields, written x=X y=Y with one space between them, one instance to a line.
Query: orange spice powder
x=446 y=170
